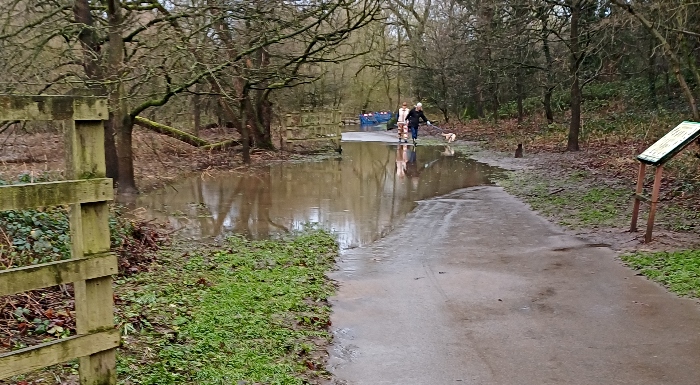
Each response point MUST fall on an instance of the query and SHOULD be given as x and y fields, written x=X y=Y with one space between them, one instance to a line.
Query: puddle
x=359 y=197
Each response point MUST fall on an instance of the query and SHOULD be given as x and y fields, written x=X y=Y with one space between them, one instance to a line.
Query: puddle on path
x=359 y=196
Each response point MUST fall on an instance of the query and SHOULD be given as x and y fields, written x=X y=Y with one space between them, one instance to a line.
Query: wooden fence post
x=654 y=202
x=89 y=236
x=87 y=193
x=638 y=192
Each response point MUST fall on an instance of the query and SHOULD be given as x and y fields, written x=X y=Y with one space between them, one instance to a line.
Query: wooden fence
x=306 y=127
x=91 y=265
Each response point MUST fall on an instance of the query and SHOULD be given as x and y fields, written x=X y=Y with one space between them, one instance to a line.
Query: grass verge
x=252 y=313
x=577 y=199
x=679 y=271
x=569 y=199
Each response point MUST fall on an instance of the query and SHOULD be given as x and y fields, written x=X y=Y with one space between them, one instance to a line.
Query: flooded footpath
x=359 y=196
x=445 y=278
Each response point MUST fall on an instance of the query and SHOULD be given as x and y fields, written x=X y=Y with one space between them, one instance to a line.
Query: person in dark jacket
x=413 y=119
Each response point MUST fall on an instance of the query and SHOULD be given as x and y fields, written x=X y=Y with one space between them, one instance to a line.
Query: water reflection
x=359 y=196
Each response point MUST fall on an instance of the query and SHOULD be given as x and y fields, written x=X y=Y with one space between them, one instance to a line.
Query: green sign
x=673 y=142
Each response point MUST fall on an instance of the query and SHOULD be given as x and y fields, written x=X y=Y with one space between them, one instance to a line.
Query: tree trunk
x=495 y=103
x=264 y=121
x=519 y=91
x=220 y=120
x=126 y=182
x=92 y=58
x=549 y=86
x=245 y=133
x=548 y=105
x=197 y=109
x=667 y=82
x=480 y=103
x=120 y=121
x=575 y=61
x=651 y=75
x=111 y=159
x=575 y=124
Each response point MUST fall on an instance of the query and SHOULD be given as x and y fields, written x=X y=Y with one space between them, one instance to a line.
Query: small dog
x=450 y=137
x=519 y=151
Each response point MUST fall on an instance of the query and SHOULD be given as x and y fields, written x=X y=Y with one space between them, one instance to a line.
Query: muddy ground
x=158 y=159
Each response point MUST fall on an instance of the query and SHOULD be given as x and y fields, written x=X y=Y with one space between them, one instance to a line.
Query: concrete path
x=371 y=136
x=474 y=288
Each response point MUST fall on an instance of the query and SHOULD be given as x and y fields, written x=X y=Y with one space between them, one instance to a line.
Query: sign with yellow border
x=671 y=143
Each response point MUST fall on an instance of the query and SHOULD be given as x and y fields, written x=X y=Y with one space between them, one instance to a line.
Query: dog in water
x=450 y=137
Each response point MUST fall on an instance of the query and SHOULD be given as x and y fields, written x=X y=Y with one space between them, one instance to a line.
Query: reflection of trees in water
x=359 y=196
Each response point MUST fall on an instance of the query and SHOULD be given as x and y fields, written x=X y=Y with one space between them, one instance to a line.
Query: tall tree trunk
x=519 y=90
x=92 y=58
x=245 y=133
x=197 y=109
x=547 y=101
x=651 y=75
x=495 y=103
x=126 y=182
x=111 y=158
x=480 y=102
x=220 y=120
x=120 y=121
x=574 y=64
x=264 y=120
x=549 y=86
x=667 y=82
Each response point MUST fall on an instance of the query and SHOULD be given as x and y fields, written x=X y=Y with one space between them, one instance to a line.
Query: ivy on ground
x=254 y=312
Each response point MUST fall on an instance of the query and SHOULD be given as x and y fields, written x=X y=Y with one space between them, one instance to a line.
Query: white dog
x=450 y=137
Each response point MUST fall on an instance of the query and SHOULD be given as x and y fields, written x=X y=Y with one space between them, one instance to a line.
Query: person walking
x=401 y=122
x=413 y=119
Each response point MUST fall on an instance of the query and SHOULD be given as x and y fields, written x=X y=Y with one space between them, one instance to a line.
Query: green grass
x=679 y=271
x=570 y=200
x=254 y=312
x=575 y=199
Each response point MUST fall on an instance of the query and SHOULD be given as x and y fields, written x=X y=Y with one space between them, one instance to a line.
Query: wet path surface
x=474 y=288
x=467 y=286
x=359 y=196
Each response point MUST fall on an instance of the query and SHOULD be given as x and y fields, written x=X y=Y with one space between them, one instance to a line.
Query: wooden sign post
x=657 y=155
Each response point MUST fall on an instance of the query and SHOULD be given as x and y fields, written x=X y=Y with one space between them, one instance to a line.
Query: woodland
x=179 y=66
x=583 y=85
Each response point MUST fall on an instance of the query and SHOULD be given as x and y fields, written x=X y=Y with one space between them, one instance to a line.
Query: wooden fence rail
x=307 y=126
x=91 y=266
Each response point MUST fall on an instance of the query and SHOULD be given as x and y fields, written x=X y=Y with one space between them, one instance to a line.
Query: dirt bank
x=158 y=159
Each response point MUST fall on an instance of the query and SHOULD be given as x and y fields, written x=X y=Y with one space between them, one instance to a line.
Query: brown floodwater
x=359 y=196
